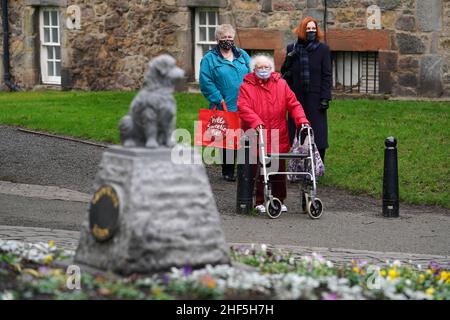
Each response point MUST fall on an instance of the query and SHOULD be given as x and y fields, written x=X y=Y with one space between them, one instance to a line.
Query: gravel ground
x=349 y=221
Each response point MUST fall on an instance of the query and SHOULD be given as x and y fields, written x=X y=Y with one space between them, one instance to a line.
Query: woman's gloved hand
x=324 y=104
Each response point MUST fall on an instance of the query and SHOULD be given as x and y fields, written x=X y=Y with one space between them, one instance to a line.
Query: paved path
x=53 y=180
x=69 y=240
x=360 y=226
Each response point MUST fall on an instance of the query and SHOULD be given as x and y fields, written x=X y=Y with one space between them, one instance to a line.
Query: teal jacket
x=221 y=79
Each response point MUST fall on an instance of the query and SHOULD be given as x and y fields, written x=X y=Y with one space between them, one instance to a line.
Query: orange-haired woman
x=307 y=69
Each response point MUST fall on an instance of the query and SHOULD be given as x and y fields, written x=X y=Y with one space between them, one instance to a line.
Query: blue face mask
x=263 y=74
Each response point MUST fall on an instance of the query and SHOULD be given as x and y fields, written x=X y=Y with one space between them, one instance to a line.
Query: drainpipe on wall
x=325 y=19
x=6 y=70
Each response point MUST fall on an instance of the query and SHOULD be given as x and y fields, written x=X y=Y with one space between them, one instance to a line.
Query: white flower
x=396 y=263
x=264 y=248
x=6 y=295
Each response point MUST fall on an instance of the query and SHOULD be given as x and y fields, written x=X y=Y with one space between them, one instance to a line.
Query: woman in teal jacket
x=222 y=71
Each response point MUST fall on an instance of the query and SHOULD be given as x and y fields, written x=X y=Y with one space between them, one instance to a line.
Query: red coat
x=267 y=103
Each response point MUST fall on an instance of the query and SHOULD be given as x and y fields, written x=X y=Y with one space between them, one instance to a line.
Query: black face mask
x=311 y=35
x=226 y=44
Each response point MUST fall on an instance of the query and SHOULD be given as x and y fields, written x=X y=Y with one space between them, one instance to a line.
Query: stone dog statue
x=151 y=118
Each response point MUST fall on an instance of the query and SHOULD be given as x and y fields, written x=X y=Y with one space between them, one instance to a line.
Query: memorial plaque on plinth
x=166 y=214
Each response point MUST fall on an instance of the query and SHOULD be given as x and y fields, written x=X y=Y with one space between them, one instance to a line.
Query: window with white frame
x=50 y=35
x=206 y=21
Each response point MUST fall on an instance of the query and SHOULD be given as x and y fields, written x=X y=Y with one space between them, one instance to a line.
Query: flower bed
x=31 y=271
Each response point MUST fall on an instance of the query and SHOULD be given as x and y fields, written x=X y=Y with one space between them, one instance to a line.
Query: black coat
x=319 y=89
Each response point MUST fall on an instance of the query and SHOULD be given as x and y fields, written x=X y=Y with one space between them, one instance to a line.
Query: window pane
x=55 y=37
x=46 y=34
x=202 y=15
x=58 y=53
x=212 y=35
x=58 y=69
x=202 y=34
x=46 y=18
x=50 y=53
x=50 y=68
x=212 y=18
x=54 y=18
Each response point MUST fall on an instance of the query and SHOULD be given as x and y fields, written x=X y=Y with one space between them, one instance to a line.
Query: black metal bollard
x=390 y=179
x=245 y=181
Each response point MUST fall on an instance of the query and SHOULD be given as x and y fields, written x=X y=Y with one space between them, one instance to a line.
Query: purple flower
x=187 y=270
x=27 y=278
x=434 y=266
x=44 y=270
x=165 y=279
x=330 y=296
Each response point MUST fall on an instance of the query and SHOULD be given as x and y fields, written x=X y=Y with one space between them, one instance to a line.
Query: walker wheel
x=273 y=211
x=315 y=209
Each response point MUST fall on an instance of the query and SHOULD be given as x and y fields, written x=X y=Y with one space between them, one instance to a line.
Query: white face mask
x=263 y=74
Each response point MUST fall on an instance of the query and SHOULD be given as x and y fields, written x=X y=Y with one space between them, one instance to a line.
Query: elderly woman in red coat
x=263 y=101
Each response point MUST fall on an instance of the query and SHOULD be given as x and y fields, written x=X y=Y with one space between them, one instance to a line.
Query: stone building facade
x=398 y=47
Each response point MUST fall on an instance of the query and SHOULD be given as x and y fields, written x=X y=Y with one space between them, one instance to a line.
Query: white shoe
x=283 y=208
x=261 y=208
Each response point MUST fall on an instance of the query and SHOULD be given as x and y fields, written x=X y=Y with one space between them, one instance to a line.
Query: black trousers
x=228 y=157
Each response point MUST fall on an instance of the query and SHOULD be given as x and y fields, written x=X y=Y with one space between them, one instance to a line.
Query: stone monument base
x=167 y=214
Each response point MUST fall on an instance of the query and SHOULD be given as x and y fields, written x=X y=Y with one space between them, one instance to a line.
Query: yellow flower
x=383 y=273
x=429 y=272
x=51 y=243
x=429 y=291
x=33 y=272
x=421 y=277
x=355 y=270
x=445 y=275
x=47 y=259
x=17 y=266
x=393 y=273
x=156 y=291
x=56 y=272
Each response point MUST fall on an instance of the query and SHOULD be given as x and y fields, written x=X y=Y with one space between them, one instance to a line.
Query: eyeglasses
x=262 y=67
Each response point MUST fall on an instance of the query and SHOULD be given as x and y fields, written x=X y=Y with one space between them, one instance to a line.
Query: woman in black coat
x=307 y=69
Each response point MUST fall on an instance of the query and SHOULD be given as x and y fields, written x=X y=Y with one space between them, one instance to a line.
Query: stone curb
x=43 y=192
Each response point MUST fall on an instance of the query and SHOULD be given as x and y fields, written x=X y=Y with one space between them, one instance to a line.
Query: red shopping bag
x=217 y=128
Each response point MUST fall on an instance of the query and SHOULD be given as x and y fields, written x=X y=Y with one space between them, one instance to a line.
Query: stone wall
x=118 y=37
x=415 y=59
x=110 y=51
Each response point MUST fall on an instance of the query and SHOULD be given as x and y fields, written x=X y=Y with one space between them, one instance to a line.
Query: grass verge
x=357 y=129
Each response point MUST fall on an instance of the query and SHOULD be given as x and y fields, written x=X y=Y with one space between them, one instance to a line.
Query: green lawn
x=357 y=131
